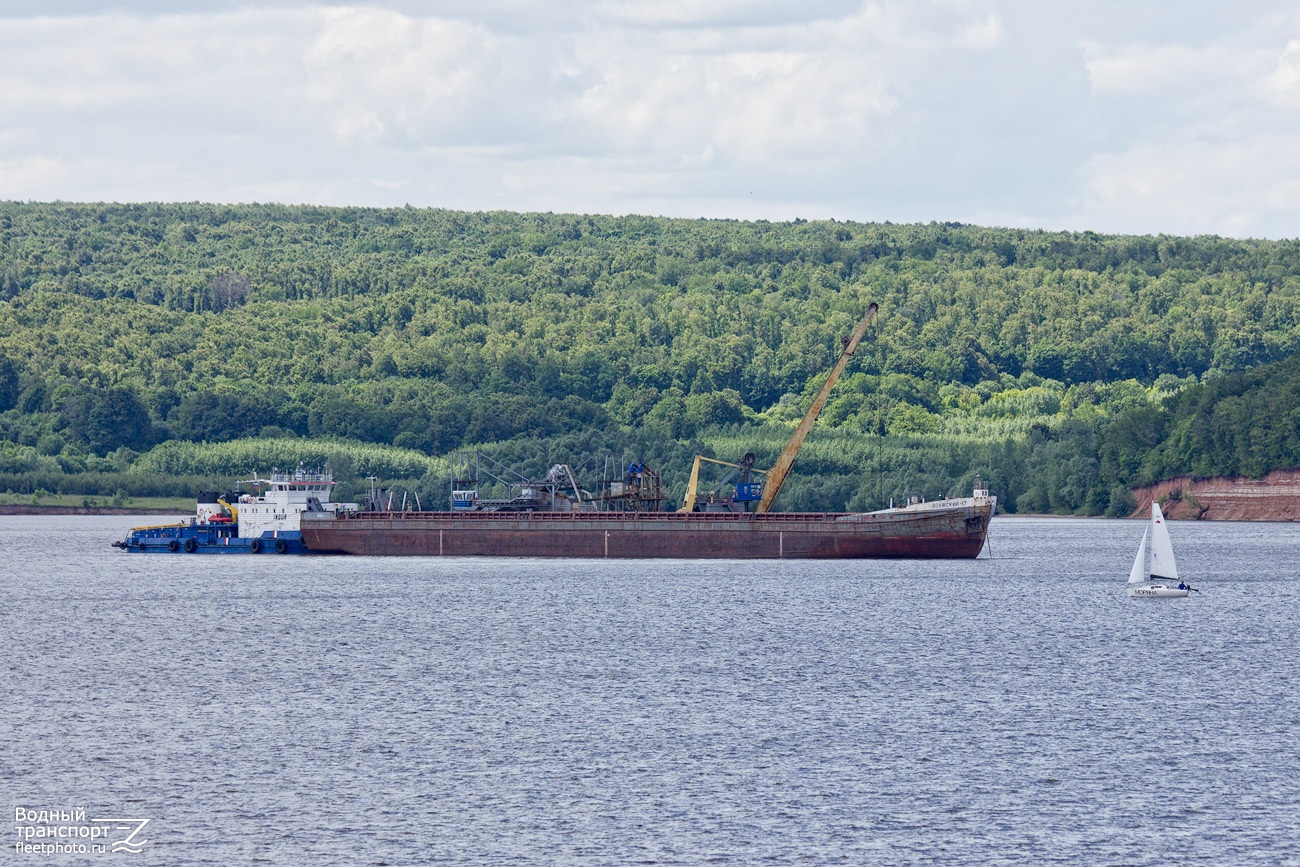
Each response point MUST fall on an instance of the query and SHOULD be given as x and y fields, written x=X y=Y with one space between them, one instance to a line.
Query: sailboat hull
x=1157 y=591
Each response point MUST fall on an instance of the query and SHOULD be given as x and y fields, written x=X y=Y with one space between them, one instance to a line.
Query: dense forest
x=152 y=348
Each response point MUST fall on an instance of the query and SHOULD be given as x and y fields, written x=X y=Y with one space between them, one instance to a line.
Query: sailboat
x=1155 y=574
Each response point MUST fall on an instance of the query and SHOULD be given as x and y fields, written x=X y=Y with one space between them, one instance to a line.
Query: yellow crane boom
x=234 y=513
x=776 y=476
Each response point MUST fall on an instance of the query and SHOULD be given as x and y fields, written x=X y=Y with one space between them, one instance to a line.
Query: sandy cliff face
x=1276 y=497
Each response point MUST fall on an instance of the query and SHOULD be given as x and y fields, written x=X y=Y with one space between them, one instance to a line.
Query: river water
x=1016 y=709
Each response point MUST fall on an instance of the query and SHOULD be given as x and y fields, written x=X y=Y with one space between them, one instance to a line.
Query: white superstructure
x=286 y=496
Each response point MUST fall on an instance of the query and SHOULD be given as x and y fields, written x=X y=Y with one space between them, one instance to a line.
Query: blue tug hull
x=209 y=539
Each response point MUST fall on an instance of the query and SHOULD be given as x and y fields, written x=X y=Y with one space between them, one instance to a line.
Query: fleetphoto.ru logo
x=70 y=832
x=134 y=841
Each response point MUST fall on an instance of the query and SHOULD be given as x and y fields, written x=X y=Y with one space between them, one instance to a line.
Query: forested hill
x=131 y=328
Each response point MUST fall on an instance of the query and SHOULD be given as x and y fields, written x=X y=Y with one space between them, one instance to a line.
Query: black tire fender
x=173 y=546
x=191 y=546
x=281 y=546
x=255 y=546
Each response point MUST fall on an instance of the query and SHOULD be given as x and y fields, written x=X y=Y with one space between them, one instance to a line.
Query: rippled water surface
x=1013 y=709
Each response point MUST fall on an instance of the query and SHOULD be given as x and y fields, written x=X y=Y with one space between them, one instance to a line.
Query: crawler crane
x=765 y=493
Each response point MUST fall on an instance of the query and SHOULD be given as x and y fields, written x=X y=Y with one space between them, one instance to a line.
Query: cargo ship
x=950 y=528
x=243 y=523
x=625 y=518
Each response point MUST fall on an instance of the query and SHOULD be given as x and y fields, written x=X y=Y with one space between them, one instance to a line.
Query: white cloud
x=28 y=177
x=675 y=14
x=1196 y=141
x=1227 y=188
x=112 y=60
x=749 y=106
x=1148 y=70
x=380 y=74
x=88 y=178
x=1053 y=115
x=686 y=93
x=1283 y=84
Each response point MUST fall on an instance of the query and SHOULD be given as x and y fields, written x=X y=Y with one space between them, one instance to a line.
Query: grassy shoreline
x=76 y=504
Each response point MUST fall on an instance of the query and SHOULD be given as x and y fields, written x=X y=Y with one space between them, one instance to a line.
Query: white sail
x=1162 y=550
x=1138 y=574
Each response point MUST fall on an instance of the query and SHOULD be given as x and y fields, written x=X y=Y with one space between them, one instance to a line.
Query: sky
x=1133 y=117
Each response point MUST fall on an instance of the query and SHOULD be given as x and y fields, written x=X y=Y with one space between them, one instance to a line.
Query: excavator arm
x=777 y=475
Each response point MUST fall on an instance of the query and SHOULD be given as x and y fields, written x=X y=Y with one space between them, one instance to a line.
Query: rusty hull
x=956 y=532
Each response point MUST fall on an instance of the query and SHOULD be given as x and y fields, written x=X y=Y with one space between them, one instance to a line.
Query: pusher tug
x=242 y=523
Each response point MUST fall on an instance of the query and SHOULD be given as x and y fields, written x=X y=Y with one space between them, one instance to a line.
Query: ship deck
x=954 y=530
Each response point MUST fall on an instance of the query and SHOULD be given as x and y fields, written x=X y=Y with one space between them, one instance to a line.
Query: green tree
x=9 y=383
x=108 y=419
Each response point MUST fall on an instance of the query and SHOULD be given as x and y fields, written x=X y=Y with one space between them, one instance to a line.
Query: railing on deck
x=611 y=517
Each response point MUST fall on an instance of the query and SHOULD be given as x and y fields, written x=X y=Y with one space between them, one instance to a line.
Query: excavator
x=762 y=494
